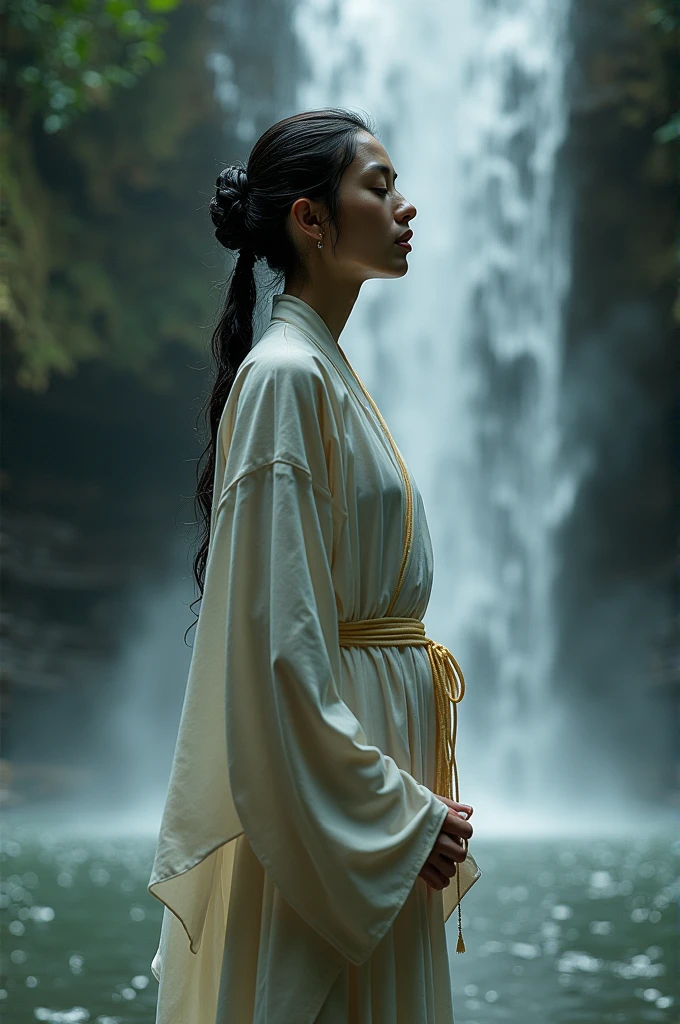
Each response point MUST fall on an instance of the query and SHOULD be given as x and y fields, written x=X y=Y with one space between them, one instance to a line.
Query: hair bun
x=229 y=206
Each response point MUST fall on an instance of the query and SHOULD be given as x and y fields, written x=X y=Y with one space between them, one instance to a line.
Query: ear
x=306 y=216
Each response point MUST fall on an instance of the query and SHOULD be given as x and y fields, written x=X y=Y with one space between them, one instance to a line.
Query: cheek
x=365 y=222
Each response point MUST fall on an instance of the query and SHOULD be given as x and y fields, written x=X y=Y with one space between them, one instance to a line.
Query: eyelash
x=382 y=191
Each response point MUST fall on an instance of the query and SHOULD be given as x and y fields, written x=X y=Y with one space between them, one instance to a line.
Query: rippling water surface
x=556 y=930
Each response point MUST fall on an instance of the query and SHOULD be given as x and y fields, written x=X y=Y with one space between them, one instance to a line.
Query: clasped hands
x=449 y=848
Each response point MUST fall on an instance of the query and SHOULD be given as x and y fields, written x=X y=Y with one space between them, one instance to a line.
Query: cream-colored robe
x=299 y=809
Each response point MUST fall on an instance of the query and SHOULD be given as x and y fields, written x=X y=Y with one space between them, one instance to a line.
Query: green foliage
x=106 y=240
x=71 y=55
x=666 y=15
x=666 y=18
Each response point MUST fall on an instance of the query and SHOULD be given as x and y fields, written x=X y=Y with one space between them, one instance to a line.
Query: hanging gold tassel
x=449 y=688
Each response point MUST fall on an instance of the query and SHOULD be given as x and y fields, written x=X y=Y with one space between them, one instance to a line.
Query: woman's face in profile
x=373 y=215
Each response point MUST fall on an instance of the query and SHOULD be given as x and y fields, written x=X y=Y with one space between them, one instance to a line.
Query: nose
x=408 y=212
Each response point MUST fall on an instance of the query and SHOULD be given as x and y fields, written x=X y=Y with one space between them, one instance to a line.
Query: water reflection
x=560 y=930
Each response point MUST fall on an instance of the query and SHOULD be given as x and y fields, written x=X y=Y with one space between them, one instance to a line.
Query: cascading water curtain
x=464 y=354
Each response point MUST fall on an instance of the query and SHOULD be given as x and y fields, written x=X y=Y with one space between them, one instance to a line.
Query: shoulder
x=279 y=408
x=283 y=369
x=281 y=352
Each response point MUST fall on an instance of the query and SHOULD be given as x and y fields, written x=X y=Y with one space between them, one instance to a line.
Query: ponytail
x=232 y=340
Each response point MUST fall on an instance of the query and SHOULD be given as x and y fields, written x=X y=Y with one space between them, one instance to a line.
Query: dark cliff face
x=615 y=588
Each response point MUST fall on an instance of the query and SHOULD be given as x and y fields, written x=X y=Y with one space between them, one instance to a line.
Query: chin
x=398 y=268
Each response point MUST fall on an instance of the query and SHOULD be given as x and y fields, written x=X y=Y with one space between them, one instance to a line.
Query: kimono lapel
x=297 y=312
x=300 y=314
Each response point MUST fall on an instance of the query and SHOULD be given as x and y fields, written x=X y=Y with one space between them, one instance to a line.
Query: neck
x=332 y=301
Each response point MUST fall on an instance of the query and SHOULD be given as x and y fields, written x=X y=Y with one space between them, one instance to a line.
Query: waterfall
x=464 y=354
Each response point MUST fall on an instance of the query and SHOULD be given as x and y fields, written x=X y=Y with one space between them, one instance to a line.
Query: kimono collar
x=300 y=314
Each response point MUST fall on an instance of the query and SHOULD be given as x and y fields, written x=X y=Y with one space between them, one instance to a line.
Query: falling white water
x=464 y=354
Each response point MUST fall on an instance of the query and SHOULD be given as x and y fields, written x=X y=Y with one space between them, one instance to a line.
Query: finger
x=446 y=858
x=446 y=868
x=428 y=875
x=447 y=865
x=464 y=828
x=455 y=805
x=434 y=877
x=450 y=848
x=456 y=826
x=434 y=871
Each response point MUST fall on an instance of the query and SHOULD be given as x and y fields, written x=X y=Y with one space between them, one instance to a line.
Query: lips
x=405 y=237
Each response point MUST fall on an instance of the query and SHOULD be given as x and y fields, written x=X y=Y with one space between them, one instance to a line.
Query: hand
x=449 y=848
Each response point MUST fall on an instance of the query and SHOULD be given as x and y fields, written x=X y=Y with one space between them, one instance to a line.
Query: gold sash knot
x=449 y=689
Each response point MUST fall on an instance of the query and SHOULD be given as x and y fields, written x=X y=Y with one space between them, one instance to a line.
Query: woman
x=309 y=836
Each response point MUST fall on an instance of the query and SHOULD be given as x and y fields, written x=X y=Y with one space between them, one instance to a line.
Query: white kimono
x=300 y=807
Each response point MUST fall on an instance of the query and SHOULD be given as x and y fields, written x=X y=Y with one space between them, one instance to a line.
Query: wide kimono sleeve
x=340 y=828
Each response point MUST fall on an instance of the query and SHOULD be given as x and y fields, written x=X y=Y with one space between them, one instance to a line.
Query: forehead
x=369 y=151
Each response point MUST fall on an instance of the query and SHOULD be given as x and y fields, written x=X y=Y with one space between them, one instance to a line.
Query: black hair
x=303 y=155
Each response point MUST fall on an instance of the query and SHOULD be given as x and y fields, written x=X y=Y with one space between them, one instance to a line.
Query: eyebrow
x=381 y=167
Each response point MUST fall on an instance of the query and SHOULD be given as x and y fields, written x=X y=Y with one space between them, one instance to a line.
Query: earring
x=319 y=244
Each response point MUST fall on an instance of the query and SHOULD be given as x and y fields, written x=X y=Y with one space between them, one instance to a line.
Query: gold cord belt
x=449 y=688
